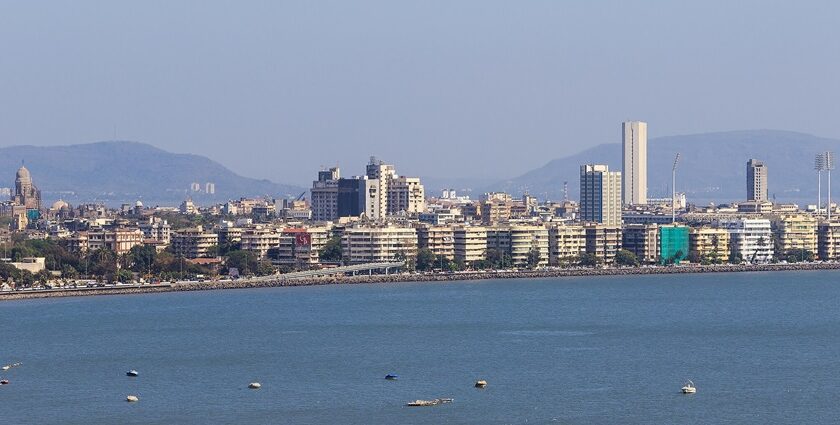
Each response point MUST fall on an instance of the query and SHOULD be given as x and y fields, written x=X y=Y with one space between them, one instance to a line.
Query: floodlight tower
x=819 y=166
x=829 y=165
x=674 y=189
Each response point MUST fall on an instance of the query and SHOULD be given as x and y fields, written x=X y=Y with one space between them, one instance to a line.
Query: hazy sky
x=455 y=88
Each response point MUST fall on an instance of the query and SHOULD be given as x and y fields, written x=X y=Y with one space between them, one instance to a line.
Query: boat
x=131 y=372
x=424 y=403
x=391 y=377
x=254 y=385
x=7 y=367
x=132 y=398
x=689 y=388
x=4 y=382
x=480 y=383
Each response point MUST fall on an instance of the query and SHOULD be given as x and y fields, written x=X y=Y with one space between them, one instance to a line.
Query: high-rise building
x=634 y=157
x=756 y=180
x=600 y=195
x=210 y=188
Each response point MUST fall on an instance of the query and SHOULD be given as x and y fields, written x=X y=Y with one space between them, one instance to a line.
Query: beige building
x=300 y=247
x=828 y=233
x=603 y=241
x=708 y=243
x=194 y=242
x=439 y=239
x=470 y=244
x=566 y=243
x=406 y=194
x=518 y=241
x=794 y=231
x=642 y=240
x=494 y=212
x=119 y=240
x=634 y=155
x=30 y=264
x=374 y=244
x=260 y=239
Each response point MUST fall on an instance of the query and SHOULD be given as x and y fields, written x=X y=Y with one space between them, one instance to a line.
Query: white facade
x=751 y=238
x=600 y=195
x=634 y=156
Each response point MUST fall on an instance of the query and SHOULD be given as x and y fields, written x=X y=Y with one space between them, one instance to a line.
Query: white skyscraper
x=634 y=157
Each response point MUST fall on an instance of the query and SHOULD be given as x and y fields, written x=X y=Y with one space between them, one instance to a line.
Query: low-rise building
x=750 y=239
x=300 y=247
x=603 y=241
x=259 y=239
x=794 y=231
x=566 y=243
x=118 y=240
x=439 y=239
x=194 y=242
x=470 y=244
x=374 y=244
x=708 y=244
x=642 y=240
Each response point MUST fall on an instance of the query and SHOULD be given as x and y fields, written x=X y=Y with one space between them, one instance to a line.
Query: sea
x=760 y=348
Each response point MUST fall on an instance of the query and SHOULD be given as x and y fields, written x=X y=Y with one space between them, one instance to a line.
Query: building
x=210 y=188
x=300 y=247
x=794 y=231
x=470 y=244
x=600 y=195
x=26 y=193
x=566 y=243
x=30 y=264
x=188 y=207
x=708 y=244
x=118 y=240
x=673 y=243
x=438 y=239
x=756 y=180
x=750 y=239
x=634 y=158
x=494 y=211
x=642 y=240
x=260 y=239
x=524 y=240
x=603 y=241
x=376 y=244
x=156 y=229
x=194 y=242
x=828 y=233
x=324 y=195
x=406 y=194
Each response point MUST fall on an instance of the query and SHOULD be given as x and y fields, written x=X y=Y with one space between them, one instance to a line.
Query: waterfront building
x=228 y=233
x=439 y=239
x=26 y=193
x=603 y=241
x=31 y=264
x=756 y=180
x=194 y=242
x=600 y=195
x=829 y=240
x=673 y=243
x=794 y=231
x=642 y=240
x=750 y=239
x=383 y=243
x=300 y=247
x=708 y=244
x=525 y=239
x=566 y=243
x=634 y=158
x=470 y=244
x=259 y=239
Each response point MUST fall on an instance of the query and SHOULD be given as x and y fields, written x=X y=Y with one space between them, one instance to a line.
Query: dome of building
x=59 y=204
x=23 y=174
x=138 y=204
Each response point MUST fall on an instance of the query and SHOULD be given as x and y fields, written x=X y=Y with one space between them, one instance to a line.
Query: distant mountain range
x=117 y=172
x=712 y=166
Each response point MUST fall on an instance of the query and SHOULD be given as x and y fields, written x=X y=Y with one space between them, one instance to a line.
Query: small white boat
x=7 y=367
x=424 y=403
x=689 y=388
x=254 y=385
x=132 y=372
x=132 y=398
x=480 y=383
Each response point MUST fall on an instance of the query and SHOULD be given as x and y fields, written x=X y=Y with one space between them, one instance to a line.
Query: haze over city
x=446 y=89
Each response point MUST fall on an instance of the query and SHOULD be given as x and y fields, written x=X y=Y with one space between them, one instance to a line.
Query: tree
x=141 y=258
x=533 y=259
x=626 y=258
x=331 y=252
x=589 y=260
x=245 y=261
x=799 y=255
x=425 y=259
x=695 y=258
x=498 y=259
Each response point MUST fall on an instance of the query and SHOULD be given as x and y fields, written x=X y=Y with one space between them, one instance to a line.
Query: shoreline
x=280 y=281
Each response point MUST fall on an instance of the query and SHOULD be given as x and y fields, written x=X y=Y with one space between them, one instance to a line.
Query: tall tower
x=600 y=194
x=756 y=180
x=634 y=157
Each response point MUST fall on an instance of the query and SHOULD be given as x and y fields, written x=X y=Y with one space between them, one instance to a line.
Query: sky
x=471 y=89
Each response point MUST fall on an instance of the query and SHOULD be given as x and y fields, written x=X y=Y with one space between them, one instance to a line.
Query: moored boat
x=132 y=372
x=689 y=388
x=254 y=385
x=391 y=377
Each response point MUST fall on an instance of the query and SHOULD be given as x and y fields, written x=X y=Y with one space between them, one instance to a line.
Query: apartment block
x=470 y=244
x=566 y=243
x=642 y=240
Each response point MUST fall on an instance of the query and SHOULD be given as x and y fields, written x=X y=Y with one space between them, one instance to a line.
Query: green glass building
x=673 y=244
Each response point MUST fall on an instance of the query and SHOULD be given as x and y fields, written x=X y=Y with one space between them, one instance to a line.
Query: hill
x=712 y=166
x=117 y=172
